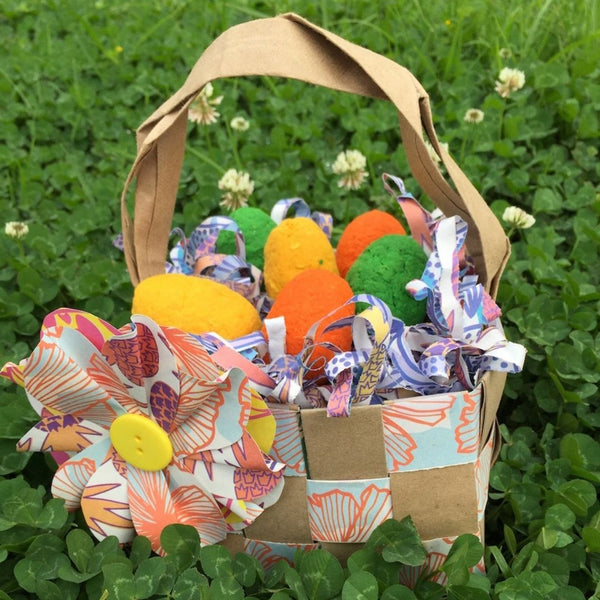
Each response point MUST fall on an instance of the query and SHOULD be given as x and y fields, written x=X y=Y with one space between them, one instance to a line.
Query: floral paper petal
x=271 y=497
x=134 y=353
x=222 y=479
x=244 y=453
x=195 y=506
x=58 y=382
x=261 y=425
x=163 y=403
x=218 y=421
x=61 y=433
x=192 y=393
x=105 y=377
x=254 y=484
x=105 y=504
x=13 y=372
x=142 y=357
x=248 y=455
x=216 y=479
x=73 y=475
x=94 y=329
x=239 y=514
x=192 y=359
x=153 y=507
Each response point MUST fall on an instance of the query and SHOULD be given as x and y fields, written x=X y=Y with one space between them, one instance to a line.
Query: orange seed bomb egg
x=306 y=299
x=360 y=232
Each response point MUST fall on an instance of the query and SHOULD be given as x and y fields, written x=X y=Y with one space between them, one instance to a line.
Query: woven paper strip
x=425 y=432
x=287 y=446
x=268 y=553
x=347 y=511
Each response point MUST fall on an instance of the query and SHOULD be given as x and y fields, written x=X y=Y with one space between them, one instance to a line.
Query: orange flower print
x=349 y=513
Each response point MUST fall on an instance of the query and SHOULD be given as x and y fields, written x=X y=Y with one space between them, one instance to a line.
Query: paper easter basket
x=403 y=457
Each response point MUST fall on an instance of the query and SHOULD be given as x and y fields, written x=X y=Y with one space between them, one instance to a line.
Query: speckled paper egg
x=295 y=245
x=195 y=304
x=256 y=226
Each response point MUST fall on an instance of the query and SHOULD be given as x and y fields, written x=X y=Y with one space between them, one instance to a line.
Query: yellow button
x=141 y=442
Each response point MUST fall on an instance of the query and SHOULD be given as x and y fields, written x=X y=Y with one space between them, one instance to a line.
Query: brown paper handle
x=289 y=46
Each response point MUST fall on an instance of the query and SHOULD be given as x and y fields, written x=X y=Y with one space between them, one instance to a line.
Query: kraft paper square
x=287 y=520
x=441 y=502
x=345 y=448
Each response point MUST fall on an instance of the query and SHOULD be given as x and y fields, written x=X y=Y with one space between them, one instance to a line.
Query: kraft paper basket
x=427 y=456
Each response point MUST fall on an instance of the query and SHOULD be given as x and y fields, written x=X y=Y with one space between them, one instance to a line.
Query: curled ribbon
x=301 y=209
x=197 y=255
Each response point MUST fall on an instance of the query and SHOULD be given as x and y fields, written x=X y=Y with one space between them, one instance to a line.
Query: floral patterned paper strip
x=287 y=445
x=347 y=511
x=268 y=553
x=288 y=370
x=215 y=475
x=356 y=374
x=202 y=242
x=458 y=306
x=420 y=221
x=228 y=358
x=431 y=431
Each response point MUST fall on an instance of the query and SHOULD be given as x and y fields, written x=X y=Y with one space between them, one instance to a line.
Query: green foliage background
x=77 y=78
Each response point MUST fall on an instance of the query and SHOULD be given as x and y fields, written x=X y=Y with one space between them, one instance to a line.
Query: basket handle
x=289 y=46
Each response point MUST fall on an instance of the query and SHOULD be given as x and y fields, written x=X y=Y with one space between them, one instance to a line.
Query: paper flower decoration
x=155 y=432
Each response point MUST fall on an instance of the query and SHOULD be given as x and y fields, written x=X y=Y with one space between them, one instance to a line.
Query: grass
x=78 y=78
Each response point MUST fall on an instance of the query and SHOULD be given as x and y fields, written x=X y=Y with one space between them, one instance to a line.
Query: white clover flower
x=474 y=115
x=518 y=218
x=239 y=124
x=504 y=53
x=202 y=109
x=207 y=90
x=351 y=165
x=237 y=187
x=433 y=154
x=16 y=229
x=509 y=80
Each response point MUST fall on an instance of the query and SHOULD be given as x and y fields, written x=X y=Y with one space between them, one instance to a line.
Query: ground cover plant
x=77 y=78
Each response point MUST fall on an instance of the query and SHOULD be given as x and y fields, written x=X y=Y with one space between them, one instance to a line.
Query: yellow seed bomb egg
x=294 y=246
x=196 y=305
